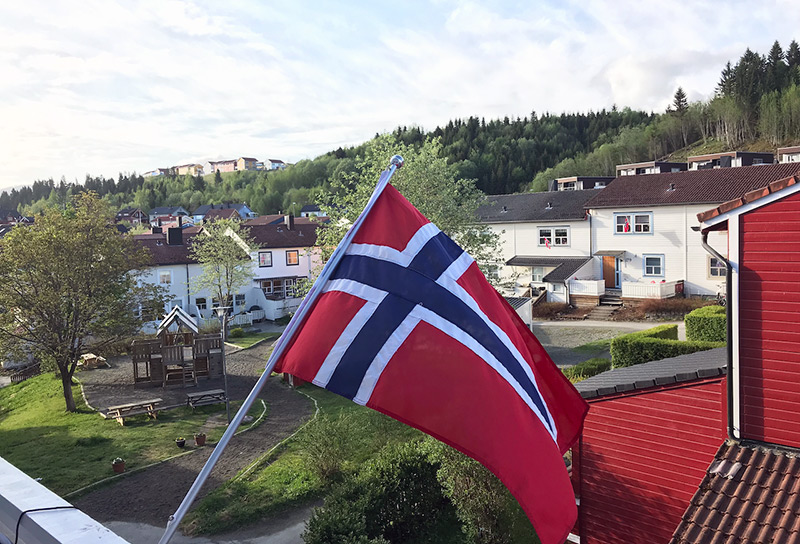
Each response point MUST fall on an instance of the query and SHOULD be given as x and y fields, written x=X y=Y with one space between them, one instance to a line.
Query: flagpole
x=175 y=519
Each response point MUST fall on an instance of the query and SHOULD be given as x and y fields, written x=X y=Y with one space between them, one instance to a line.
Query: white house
x=545 y=239
x=283 y=255
x=166 y=213
x=643 y=239
x=789 y=154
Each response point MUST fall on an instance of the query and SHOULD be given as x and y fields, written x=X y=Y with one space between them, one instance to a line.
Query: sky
x=102 y=86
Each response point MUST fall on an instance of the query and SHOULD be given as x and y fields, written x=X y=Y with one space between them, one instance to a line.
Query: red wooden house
x=751 y=492
x=651 y=432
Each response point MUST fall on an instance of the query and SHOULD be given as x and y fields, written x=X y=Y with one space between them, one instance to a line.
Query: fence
x=651 y=290
x=587 y=287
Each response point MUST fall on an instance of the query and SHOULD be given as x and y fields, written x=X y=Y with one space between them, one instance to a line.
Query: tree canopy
x=70 y=280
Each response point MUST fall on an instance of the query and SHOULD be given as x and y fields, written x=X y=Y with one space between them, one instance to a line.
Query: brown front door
x=608 y=271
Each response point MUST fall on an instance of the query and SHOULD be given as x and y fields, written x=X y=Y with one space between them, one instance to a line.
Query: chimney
x=158 y=221
x=180 y=221
x=156 y=230
x=174 y=236
x=288 y=220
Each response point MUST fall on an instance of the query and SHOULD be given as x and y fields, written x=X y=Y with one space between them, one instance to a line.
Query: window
x=289 y=285
x=239 y=300
x=568 y=186
x=716 y=268
x=558 y=236
x=758 y=161
x=165 y=277
x=653 y=265
x=633 y=223
x=537 y=274
x=292 y=257
x=557 y=287
x=264 y=258
x=200 y=303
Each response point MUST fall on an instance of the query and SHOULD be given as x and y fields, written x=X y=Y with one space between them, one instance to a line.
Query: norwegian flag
x=547 y=243
x=408 y=325
x=627 y=227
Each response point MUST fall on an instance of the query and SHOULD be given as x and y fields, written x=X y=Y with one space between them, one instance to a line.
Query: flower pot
x=180 y=442
x=119 y=468
x=199 y=440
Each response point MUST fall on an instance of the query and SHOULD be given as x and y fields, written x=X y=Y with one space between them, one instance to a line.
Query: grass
x=286 y=478
x=587 y=369
x=69 y=451
x=597 y=345
x=252 y=338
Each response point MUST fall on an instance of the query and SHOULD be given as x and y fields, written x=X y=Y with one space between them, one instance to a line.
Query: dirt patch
x=152 y=495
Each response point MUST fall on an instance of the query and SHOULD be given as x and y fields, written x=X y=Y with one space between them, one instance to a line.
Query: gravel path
x=152 y=495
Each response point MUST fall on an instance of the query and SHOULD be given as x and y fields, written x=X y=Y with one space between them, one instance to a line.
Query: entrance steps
x=602 y=313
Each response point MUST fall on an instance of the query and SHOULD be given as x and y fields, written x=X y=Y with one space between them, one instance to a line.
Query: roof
x=517 y=302
x=712 y=156
x=165 y=210
x=529 y=207
x=163 y=254
x=246 y=159
x=10 y=213
x=276 y=161
x=749 y=197
x=691 y=187
x=222 y=161
x=205 y=208
x=565 y=266
x=750 y=494
x=266 y=220
x=229 y=213
x=276 y=236
x=684 y=368
x=793 y=149
x=309 y=208
x=177 y=316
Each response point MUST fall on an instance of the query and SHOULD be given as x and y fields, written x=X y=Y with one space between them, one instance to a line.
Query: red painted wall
x=642 y=457
x=769 y=322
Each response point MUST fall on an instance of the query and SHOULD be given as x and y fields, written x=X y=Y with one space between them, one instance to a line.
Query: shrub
x=670 y=308
x=707 y=323
x=587 y=369
x=236 y=332
x=548 y=309
x=395 y=498
x=652 y=345
x=325 y=444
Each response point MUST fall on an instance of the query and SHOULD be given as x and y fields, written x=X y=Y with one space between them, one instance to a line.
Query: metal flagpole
x=175 y=519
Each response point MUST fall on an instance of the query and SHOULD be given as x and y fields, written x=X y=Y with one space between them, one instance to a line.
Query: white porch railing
x=587 y=287
x=667 y=289
x=237 y=320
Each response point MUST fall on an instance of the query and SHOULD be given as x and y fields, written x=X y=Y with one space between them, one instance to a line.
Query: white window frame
x=201 y=303
x=165 y=277
x=657 y=270
x=720 y=268
x=239 y=300
x=636 y=221
x=537 y=278
x=568 y=186
x=555 y=240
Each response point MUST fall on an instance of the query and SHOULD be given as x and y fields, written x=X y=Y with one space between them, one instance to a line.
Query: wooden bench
x=202 y=398
x=121 y=411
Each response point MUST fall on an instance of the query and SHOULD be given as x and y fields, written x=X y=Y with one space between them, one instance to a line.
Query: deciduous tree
x=68 y=281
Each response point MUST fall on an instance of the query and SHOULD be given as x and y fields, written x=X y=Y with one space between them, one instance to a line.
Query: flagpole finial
x=397 y=161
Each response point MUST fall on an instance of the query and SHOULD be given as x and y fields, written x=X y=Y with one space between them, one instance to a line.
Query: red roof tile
x=691 y=187
x=750 y=494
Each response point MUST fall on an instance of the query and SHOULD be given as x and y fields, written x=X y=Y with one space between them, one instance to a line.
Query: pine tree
x=727 y=81
x=776 y=69
x=679 y=102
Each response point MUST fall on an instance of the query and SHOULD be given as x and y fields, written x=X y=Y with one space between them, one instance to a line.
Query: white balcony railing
x=667 y=289
x=587 y=287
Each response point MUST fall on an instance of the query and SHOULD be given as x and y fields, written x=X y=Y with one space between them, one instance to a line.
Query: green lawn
x=597 y=345
x=248 y=340
x=71 y=450
x=285 y=478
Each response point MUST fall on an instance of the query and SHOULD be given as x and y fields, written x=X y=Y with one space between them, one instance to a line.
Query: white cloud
x=129 y=86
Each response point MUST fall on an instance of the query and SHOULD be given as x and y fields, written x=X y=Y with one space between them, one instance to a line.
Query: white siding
x=672 y=236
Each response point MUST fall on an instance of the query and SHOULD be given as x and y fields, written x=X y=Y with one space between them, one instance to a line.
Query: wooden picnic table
x=202 y=398
x=121 y=411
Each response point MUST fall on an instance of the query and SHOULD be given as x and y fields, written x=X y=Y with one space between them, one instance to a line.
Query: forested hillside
x=756 y=105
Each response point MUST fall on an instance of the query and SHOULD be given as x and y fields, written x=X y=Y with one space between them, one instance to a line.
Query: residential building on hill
x=166 y=213
x=311 y=210
x=243 y=210
x=134 y=216
x=789 y=154
x=191 y=169
x=159 y=172
x=274 y=164
x=222 y=166
x=650 y=167
x=248 y=163
x=729 y=159
x=578 y=183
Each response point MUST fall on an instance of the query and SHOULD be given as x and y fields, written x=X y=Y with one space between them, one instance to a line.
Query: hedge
x=707 y=323
x=587 y=369
x=653 y=345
